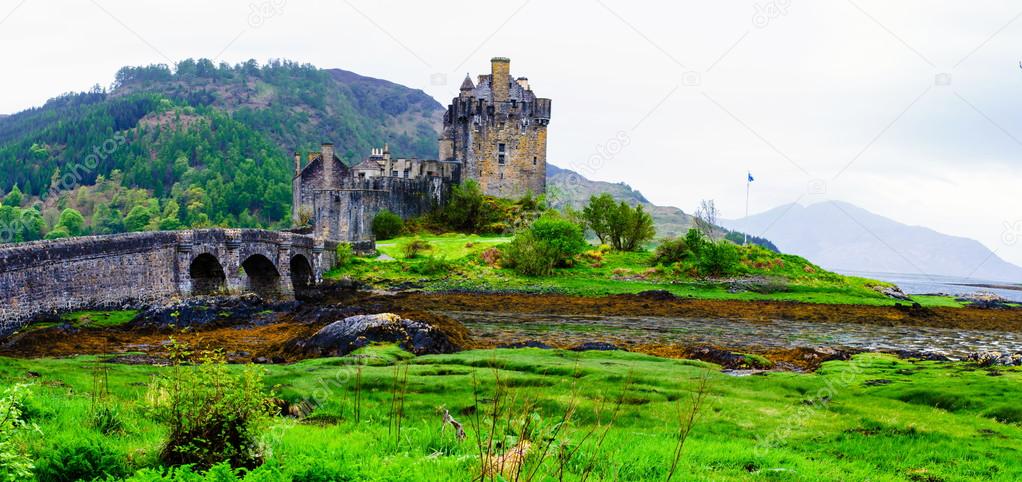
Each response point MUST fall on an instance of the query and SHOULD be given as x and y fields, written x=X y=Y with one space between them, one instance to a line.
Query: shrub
x=672 y=250
x=431 y=266
x=464 y=210
x=211 y=412
x=564 y=237
x=548 y=243
x=415 y=247
x=345 y=255
x=491 y=256
x=387 y=225
x=14 y=464
x=529 y=256
x=80 y=459
x=719 y=259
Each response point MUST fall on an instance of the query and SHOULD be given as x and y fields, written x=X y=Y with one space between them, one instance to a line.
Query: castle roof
x=467 y=84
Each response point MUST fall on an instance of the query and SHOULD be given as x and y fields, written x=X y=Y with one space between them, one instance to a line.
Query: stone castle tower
x=497 y=130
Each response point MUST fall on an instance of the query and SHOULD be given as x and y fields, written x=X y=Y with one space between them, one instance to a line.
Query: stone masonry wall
x=50 y=277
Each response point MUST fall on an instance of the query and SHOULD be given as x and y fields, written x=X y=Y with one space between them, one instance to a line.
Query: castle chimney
x=500 y=78
x=298 y=163
x=524 y=82
x=327 y=151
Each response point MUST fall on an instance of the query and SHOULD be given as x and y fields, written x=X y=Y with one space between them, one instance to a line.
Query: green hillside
x=211 y=145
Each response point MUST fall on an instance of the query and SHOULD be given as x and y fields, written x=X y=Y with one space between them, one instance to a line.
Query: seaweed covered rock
x=419 y=337
x=202 y=311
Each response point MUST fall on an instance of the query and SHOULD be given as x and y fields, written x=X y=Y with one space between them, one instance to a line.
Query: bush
x=80 y=459
x=719 y=259
x=547 y=244
x=491 y=256
x=212 y=413
x=14 y=464
x=387 y=225
x=345 y=255
x=464 y=210
x=672 y=250
x=564 y=237
x=415 y=247
x=431 y=266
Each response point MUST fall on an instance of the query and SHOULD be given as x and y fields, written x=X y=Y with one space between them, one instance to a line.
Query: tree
x=72 y=221
x=706 y=218
x=58 y=233
x=597 y=216
x=14 y=198
x=387 y=225
x=623 y=227
x=137 y=219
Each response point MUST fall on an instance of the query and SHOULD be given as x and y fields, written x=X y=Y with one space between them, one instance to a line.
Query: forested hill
x=194 y=145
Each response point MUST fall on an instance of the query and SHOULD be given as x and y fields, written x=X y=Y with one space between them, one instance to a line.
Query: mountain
x=840 y=236
x=569 y=188
x=212 y=144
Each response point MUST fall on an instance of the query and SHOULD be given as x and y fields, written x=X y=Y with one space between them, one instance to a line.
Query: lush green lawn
x=873 y=418
x=609 y=273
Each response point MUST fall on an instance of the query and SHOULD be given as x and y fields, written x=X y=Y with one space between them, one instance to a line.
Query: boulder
x=421 y=338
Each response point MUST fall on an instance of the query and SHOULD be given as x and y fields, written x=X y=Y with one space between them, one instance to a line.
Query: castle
x=494 y=132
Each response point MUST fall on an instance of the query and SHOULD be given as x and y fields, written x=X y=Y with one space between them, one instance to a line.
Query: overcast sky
x=910 y=109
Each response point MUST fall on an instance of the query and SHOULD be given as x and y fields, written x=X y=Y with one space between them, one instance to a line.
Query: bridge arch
x=207 y=275
x=302 y=276
x=261 y=276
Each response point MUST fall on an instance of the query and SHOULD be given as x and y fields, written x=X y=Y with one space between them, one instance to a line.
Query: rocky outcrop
x=421 y=338
x=996 y=359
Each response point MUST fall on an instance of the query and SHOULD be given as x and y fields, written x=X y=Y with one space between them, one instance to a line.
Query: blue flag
x=750 y=177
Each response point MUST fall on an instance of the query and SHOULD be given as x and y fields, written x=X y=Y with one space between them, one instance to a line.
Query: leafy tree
x=58 y=232
x=72 y=221
x=14 y=198
x=623 y=227
x=138 y=218
x=387 y=225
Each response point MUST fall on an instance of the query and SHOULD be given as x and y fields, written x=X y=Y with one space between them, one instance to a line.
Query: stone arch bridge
x=64 y=275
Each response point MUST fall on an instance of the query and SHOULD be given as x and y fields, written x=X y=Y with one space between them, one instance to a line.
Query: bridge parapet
x=117 y=270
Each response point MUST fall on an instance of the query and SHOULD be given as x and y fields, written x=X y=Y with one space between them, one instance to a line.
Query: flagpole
x=748 y=184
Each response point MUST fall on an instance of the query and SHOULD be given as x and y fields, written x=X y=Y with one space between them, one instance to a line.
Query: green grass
x=90 y=319
x=615 y=273
x=926 y=421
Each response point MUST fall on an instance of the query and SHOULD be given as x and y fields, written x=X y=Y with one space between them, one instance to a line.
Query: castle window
x=501 y=153
x=534 y=160
x=393 y=173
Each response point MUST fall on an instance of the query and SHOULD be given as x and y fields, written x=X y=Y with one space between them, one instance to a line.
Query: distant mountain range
x=840 y=236
x=569 y=188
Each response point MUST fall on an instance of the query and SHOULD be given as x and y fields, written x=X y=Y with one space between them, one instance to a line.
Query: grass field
x=872 y=418
x=789 y=278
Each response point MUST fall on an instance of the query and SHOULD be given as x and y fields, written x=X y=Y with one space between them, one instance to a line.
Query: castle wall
x=346 y=213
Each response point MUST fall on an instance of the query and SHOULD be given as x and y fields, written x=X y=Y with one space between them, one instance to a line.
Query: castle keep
x=494 y=132
x=496 y=129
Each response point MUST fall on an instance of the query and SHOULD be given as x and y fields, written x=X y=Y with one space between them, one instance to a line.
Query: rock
x=209 y=310
x=985 y=300
x=892 y=292
x=876 y=383
x=727 y=359
x=990 y=359
x=922 y=355
x=527 y=344
x=596 y=346
x=343 y=337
